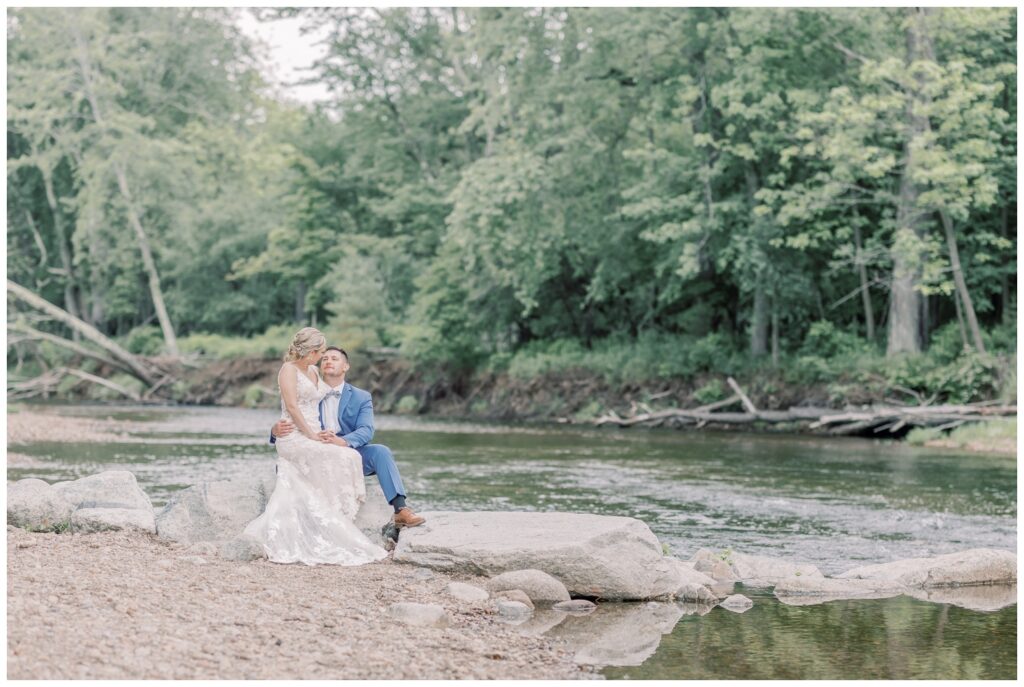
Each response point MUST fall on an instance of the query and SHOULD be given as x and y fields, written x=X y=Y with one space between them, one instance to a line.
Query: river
x=834 y=503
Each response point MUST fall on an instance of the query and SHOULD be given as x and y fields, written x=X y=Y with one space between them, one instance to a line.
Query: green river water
x=834 y=503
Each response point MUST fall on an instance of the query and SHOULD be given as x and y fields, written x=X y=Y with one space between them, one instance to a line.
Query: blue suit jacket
x=355 y=416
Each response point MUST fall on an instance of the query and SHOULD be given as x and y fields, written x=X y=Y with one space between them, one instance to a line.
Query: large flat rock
x=961 y=569
x=592 y=555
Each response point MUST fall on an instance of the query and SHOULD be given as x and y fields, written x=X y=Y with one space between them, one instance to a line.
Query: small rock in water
x=422 y=573
x=575 y=606
x=538 y=585
x=517 y=595
x=737 y=603
x=513 y=610
x=427 y=615
x=467 y=592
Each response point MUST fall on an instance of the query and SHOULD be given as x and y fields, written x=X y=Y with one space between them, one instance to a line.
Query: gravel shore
x=121 y=605
x=26 y=426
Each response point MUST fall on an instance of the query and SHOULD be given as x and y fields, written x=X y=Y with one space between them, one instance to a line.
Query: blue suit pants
x=377 y=460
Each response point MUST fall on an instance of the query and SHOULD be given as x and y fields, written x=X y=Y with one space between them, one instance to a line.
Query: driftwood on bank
x=125 y=360
x=870 y=419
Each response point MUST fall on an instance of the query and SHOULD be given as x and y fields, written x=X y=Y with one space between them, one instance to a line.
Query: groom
x=346 y=418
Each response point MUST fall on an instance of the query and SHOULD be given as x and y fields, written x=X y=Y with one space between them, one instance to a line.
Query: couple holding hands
x=323 y=450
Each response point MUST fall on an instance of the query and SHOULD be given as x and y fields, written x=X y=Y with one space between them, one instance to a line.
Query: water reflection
x=900 y=638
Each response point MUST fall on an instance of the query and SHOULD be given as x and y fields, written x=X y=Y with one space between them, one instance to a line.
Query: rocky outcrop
x=979 y=579
x=540 y=587
x=592 y=555
x=34 y=505
x=214 y=511
x=965 y=568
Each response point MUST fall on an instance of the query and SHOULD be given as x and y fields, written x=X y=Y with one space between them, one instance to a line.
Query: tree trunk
x=905 y=306
x=70 y=302
x=961 y=283
x=133 y=215
x=775 y=332
x=960 y=320
x=147 y=260
x=862 y=272
x=759 y=323
x=1007 y=314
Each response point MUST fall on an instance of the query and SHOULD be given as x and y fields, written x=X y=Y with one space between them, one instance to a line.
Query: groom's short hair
x=339 y=350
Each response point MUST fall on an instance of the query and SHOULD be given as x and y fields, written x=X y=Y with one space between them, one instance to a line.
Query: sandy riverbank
x=123 y=605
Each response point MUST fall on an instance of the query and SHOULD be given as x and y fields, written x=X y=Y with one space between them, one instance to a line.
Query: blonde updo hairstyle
x=305 y=341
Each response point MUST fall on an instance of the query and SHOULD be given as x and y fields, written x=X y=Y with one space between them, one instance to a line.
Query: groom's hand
x=329 y=437
x=282 y=429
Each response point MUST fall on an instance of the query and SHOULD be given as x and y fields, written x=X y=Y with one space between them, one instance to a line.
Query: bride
x=310 y=517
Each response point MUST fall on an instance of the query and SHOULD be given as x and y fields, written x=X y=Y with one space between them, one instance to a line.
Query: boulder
x=517 y=595
x=764 y=571
x=213 y=511
x=467 y=592
x=696 y=586
x=218 y=511
x=109 y=489
x=603 y=556
x=965 y=568
x=617 y=634
x=85 y=520
x=715 y=568
x=697 y=593
x=110 y=500
x=34 y=505
x=537 y=585
x=423 y=615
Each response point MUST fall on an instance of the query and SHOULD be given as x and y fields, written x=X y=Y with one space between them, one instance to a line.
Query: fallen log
x=32 y=333
x=84 y=328
x=889 y=418
x=124 y=391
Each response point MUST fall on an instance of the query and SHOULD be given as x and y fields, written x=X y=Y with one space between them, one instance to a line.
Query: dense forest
x=644 y=192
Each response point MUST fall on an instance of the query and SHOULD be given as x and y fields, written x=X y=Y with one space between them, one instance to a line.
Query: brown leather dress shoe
x=406 y=518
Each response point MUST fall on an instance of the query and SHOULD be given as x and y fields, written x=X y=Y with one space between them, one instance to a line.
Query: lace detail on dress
x=310 y=516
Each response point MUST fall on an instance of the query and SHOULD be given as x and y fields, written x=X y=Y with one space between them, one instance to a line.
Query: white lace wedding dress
x=310 y=516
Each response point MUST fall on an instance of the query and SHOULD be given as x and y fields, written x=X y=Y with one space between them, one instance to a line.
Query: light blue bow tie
x=333 y=392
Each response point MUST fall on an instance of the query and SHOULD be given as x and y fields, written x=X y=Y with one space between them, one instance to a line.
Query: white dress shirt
x=331 y=403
